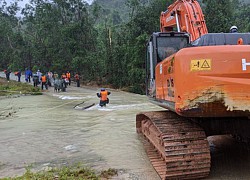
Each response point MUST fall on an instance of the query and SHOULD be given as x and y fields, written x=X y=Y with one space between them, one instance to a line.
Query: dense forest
x=104 y=41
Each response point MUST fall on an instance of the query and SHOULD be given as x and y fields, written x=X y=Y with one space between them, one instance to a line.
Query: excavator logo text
x=245 y=64
x=169 y=18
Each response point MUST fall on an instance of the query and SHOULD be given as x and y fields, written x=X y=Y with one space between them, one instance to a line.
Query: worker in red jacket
x=77 y=79
x=103 y=95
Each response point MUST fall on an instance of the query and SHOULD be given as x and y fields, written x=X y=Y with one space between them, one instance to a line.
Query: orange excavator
x=202 y=80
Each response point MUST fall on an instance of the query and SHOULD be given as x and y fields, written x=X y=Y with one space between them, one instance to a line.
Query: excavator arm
x=184 y=16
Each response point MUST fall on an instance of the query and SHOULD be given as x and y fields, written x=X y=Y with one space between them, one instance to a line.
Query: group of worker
x=45 y=80
x=66 y=77
x=49 y=78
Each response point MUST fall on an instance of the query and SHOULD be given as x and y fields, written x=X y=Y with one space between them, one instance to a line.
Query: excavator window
x=166 y=46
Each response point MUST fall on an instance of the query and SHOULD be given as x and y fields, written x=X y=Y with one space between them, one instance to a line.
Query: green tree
x=241 y=16
x=218 y=15
x=11 y=41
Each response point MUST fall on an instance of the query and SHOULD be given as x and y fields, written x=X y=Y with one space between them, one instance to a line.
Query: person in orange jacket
x=68 y=76
x=103 y=95
x=44 y=81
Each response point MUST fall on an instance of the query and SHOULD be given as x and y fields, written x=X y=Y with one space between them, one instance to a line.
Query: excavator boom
x=184 y=16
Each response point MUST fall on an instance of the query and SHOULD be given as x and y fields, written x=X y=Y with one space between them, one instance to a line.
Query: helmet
x=233 y=29
x=102 y=89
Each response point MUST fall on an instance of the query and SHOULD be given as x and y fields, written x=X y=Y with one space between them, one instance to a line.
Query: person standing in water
x=103 y=95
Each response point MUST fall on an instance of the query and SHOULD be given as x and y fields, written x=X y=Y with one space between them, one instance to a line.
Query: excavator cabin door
x=159 y=47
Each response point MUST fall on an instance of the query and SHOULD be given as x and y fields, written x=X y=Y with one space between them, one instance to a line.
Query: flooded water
x=54 y=129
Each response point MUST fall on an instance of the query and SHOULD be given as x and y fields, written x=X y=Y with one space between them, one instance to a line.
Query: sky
x=23 y=2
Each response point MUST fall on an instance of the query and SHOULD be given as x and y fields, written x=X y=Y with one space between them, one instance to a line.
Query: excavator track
x=176 y=147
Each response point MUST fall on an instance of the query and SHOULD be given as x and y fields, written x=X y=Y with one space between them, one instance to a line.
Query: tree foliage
x=218 y=15
x=221 y=15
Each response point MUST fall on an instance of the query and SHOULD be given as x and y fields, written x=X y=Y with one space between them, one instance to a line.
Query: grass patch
x=109 y=173
x=14 y=87
x=66 y=173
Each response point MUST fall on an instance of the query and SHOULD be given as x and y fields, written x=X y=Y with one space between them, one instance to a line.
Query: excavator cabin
x=159 y=47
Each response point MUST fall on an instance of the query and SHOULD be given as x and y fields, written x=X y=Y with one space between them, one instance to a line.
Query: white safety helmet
x=233 y=29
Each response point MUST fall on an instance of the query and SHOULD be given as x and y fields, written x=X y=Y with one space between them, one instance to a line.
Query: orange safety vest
x=68 y=75
x=44 y=79
x=104 y=95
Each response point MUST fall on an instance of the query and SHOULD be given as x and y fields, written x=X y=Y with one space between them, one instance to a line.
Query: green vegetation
x=109 y=173
x=66 y=173
x=14 y=87
x=104 y=41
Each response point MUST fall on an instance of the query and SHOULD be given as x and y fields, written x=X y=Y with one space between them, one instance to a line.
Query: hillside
x=117 y=10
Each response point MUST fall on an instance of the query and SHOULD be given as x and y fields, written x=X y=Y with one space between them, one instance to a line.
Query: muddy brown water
x=47 y=131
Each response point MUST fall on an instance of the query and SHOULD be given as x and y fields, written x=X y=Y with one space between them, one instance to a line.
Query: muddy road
x=46 y=131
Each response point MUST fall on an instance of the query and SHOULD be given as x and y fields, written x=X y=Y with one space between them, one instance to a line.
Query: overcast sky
x=23 y=2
